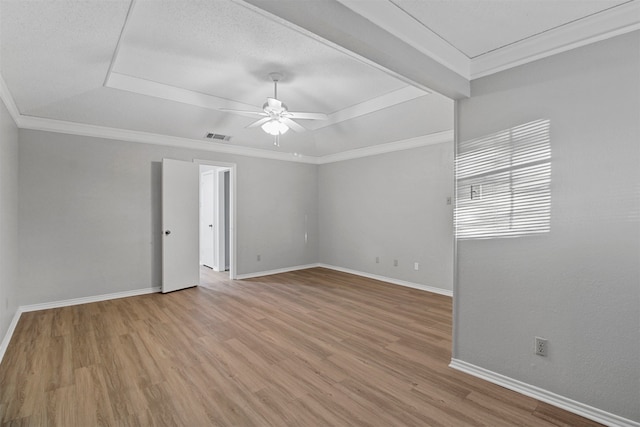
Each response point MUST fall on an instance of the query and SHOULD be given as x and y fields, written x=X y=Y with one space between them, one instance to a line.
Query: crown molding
x=600 y=26
x=613 y=22
x=7 y=98
x=71 y=128
x=405 y=144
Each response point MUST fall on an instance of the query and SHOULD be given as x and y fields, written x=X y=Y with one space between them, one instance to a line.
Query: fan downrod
x=275 y=77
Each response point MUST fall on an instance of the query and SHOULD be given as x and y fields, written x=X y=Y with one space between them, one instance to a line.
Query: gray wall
x=392 y=206
x=90 y=214
x=8 y=219
x=578 y=285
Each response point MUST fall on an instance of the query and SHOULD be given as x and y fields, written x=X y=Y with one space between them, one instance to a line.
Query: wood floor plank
x=307 y=348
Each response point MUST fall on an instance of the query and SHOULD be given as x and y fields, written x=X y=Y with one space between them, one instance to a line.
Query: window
x=503 y=183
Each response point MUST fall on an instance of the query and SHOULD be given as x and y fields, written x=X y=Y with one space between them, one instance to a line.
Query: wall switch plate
x=377 y=260
x=541 y=346
x=395 y=262
x=258 y=257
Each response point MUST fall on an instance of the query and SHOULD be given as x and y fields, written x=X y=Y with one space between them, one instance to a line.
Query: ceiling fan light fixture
x=275 y=127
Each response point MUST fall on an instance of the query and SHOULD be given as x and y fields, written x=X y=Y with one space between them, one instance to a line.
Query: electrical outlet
x=541 y=346
x=259 y=257
x=395 y=262
x=448 y=200
x=416 y=266
x=377 y=260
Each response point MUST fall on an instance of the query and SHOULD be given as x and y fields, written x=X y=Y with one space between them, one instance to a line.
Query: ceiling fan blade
x=293 y=125
x=274 y=103
x=246 y=113
x=306 y=116
x=259 y=122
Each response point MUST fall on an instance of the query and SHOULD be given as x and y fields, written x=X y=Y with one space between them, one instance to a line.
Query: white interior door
x=207 y=220
x=180 y=244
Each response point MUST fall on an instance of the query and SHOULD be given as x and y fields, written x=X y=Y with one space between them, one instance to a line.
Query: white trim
x=600 y=26
x=389 y=280
x=211 y=102
x=71 y=128
x=233 y=219
x=381 y=102
x=7 y=337
x=406 y=144
x=173 y=93
x=276 y=271
x=66 y=303
x=86 y=300
x=9 y=102
x=125 y=27
x=543 y=395
x=398 y=22
x=393 y=281
x=454 y=305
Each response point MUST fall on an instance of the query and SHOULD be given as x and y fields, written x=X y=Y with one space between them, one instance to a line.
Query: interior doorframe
x=206 y=224
x=232 y=211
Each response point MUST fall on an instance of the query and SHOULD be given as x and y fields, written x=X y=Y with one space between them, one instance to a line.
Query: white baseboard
x=9 y=334
x=391 y=280
x=543 y=395
x=276 y=271
x=66 y=303
x=86 y=300
x=419 y=286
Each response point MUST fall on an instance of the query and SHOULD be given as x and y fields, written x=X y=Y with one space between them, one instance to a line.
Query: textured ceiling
x=166 y=67
x=228 y=51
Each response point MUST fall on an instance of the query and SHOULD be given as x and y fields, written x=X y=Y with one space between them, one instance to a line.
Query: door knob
x=167 y=232
x=210 y=225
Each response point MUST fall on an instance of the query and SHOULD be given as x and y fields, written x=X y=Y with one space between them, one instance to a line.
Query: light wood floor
x=309 y=348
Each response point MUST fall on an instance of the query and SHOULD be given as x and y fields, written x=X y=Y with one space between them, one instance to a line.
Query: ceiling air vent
x=217 y=136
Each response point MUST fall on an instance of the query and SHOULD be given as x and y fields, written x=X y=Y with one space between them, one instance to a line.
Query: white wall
x=391 y=206
x=8 y=219
x=90 y=214
x=578 y=285
x=280 y=205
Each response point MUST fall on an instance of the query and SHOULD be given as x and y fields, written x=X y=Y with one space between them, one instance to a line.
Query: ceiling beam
x=332 y=23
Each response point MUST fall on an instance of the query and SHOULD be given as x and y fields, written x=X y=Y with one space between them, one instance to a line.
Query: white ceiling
x=166 y=67
x=476 y=27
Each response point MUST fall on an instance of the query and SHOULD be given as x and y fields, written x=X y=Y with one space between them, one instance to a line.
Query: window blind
x=503 y=183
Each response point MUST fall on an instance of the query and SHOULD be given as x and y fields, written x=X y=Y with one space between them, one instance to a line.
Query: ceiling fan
x=276 y=117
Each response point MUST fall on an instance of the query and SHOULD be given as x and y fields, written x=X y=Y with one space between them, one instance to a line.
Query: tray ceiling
x=166 y=67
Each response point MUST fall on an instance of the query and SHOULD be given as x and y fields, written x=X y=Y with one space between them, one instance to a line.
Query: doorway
x=216 y=218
